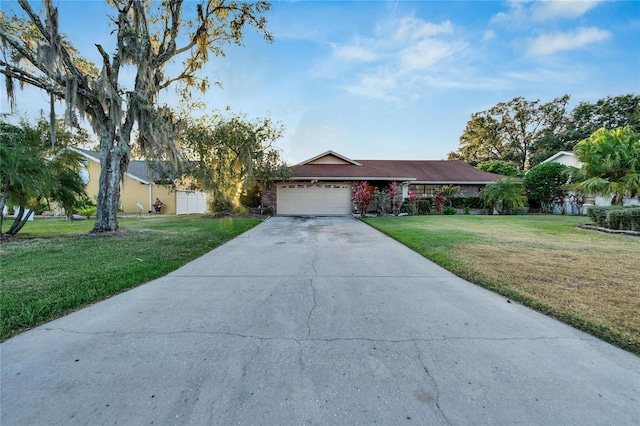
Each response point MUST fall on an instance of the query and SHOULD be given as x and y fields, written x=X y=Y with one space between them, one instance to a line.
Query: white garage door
x=322 y=198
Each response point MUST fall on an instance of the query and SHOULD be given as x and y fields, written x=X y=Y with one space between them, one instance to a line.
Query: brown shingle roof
x=420 y=171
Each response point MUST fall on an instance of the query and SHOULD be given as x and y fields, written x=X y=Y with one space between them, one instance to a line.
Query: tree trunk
x=3 y=202
x=18 y=222
x=114 y=158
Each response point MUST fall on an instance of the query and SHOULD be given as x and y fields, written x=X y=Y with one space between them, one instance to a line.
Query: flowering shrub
x=438 y=202
x=576 y=200
x=395 y=194
x=411 y=203
x=381 y=201
x=361 y=197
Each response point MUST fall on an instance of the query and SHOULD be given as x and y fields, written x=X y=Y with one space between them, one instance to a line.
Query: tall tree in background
x=610 y=113
x=481 y=141
x=226 y=155
x=148 y=36
x=505 y=168
x=509 y=130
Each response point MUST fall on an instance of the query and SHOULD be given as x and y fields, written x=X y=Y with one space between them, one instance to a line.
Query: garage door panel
x=320 y=198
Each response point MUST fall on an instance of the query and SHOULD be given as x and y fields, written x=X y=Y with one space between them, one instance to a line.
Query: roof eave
x=352 y=178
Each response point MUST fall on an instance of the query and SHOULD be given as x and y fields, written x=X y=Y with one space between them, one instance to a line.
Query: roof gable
x=568 y=158
x=330 y=157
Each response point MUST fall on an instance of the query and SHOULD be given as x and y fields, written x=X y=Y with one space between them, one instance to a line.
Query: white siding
x=188 y=202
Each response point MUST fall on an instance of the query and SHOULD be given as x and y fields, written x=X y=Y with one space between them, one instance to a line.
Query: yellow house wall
x=168 y=197
x=132 y=191
x=93 y=168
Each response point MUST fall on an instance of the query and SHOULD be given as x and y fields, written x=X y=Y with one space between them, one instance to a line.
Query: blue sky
x=400 y=79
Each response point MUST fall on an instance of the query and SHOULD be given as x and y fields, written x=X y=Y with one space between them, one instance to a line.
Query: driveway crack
x=313 y=288
x=258 y=348
x=315 y=339
x=433 y=381
x=315 y=303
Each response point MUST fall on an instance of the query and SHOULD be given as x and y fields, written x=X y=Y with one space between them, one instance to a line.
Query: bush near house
x=425 y=203
x=616 y=217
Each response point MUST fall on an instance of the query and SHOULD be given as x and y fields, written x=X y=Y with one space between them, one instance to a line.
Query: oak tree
x=148 y=36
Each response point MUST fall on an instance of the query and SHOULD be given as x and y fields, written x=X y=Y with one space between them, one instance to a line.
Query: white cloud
x=354 y=53
x=549 y=10
x=488 y=35
x=525 y=12
x=393 y=62
x=429 y=53
x=547 y=44
x=411 y=28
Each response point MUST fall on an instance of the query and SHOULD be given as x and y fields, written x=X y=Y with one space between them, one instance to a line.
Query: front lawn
x=587 y=279
x=54 y=267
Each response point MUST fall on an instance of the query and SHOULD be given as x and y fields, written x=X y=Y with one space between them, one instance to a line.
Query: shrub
x=598 y=214
x=450 y=210
x=88 y=211
x=616 y=217
x=544 y=183
x=462 y=202
x=624 y=219
x=267 y=211
x=395 y=194
x=381 y=201
x=424 y=205
x=439 y=201
x=361 y=197
x=240 y=210
x=409 y=208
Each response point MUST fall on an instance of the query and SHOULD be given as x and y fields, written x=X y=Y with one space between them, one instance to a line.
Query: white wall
x=189 y=202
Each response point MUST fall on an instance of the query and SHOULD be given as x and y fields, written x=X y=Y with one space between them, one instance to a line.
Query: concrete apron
x=314 y=321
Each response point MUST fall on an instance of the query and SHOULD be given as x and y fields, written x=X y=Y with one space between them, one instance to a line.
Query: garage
x=314 y=199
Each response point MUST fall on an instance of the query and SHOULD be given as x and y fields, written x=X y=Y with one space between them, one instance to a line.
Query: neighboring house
x=568 y=158
x=322 y=184
x=139 y=187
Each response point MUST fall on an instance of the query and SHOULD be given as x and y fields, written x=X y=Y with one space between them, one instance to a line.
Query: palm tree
x=610 y=164
x=504 y=195
x=27 y=176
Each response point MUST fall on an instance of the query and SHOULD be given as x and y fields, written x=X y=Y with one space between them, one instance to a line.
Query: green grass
x=587 y=279
x=55 y=266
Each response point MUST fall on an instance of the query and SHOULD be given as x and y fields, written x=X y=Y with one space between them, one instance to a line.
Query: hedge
x=456 y=202
x=616 y=217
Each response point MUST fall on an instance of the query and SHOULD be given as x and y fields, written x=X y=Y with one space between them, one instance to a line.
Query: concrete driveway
x=314 y=321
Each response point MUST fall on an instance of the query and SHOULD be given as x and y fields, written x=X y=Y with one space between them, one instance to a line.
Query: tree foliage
x=609 y=113
x=610 y=164
x=32 y=171
x=529 y=132
x=227 y=155
x=504 y=195
x=505 y=168
x=147 y=37
x=508 y=130
x=545 y=183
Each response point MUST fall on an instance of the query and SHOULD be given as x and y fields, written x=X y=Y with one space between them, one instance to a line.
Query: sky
x=398 y=79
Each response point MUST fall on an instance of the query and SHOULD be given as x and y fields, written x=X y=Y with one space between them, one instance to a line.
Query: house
x=141 y=186
x=568 y=158
x=322 y=185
